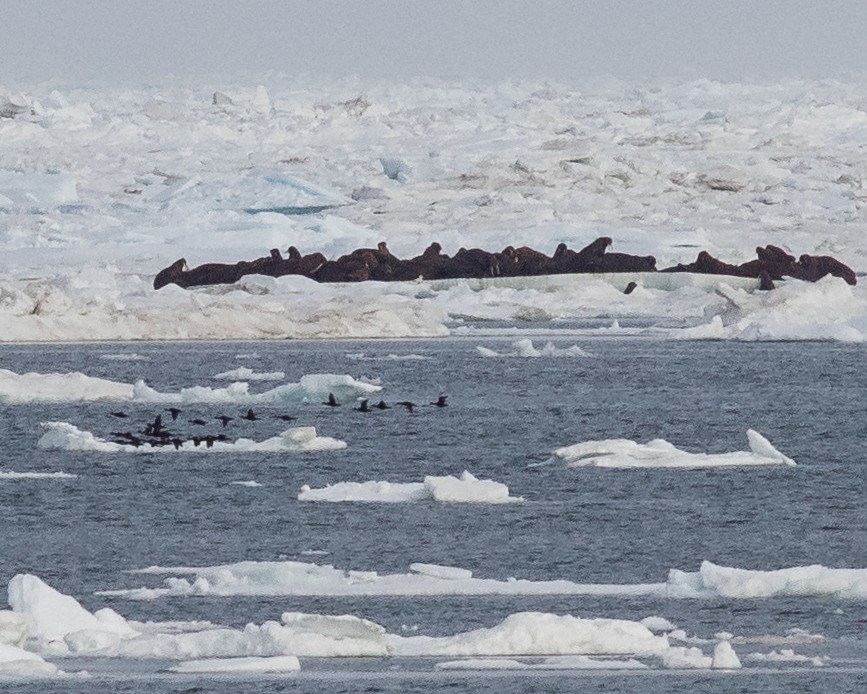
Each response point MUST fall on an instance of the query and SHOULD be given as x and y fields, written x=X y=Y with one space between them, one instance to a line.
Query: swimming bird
x=441 y=401
x=250 y=416
x=174 y=412
x=381 y=405
x=119 y=414
x=198 y=422
x=285 y=417
x=362 y=407
x=410 y=406
x=332 y=401
x=224 y=419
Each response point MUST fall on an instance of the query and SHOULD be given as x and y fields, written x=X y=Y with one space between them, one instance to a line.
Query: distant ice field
x=666 y=169
x=768 y=559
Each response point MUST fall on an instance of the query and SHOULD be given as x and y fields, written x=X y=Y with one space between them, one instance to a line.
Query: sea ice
x=67 y=437
x=446 y=489
x=525 y=348
x=245 y=374
x=300 y=578
x=658 y=453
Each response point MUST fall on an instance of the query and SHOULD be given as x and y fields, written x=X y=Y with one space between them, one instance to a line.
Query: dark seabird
x=177 y=444
x=119 y=414
x=198 y=422
x=630 y=288
x=250 y=416
x=410 y=406
x=441 y=401
x=362 y=407
x=224 y=419
x=381 y=405
x=332 y=401
x=285 y=417
x=196 y=441
x=209 y=441
x=174 y=412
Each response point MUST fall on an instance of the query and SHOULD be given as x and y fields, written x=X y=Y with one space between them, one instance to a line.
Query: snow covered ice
x=665 y=169
x=445 y=489
x=621 y=453
x=302 y=578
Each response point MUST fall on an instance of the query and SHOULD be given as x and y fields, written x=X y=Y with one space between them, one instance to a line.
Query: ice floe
x=525 y=348
x=445 y=489
x=757 y=164
x=277 y=663
x=787 y=655
x=73 y=387
x=12 y=475
x=302 y=578
x=658 y=453
x=64 y=436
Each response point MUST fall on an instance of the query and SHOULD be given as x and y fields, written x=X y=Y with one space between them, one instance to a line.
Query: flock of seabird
x=155 y=434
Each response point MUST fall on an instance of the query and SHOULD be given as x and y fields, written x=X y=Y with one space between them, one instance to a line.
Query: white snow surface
x=445 y=489
x=664 y=168
x=73 y=387
x=302 y=578
x=525 y=348
x=658 y=453
x=64 y=436
x=278 y=663
x=57 y=625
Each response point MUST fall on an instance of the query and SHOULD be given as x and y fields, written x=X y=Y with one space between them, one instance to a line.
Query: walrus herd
x=378 y=264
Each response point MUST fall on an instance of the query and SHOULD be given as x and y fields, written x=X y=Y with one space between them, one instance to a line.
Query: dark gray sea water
x=505 y=417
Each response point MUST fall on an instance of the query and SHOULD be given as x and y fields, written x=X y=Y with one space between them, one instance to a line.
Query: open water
x=505 y=417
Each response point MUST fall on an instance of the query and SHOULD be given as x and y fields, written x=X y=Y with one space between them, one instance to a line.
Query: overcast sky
x=140 y=41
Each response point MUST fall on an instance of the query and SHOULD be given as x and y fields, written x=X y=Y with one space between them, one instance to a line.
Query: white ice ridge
x=445 y=489
x=73 y=387
x=47 y=623
x=12 y=475
x=63 y=436
x=658 y=453
x=308 y=579
x=525 y=348
x=246 y=374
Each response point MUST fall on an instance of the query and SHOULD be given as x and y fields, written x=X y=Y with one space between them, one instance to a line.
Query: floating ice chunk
x=67 y=437
x=16 y=662
x=684 y=658
x=246 y=374
x=53 y=616
x=447 y=489
x=279 y=663
x=300 y=578
x=57 y=387
x=535 y=633
x=310 y=387
x=525 y=348
x=746 y=584
x=246 y=483
x=623 y=453
x=10 y=475
x=786 y=655
x=724 y=657
x=396 y=169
